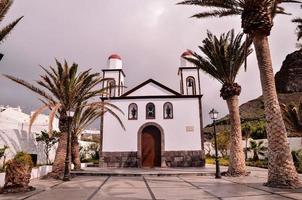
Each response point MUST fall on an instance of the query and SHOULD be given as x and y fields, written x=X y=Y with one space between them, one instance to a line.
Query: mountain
x=289 y=88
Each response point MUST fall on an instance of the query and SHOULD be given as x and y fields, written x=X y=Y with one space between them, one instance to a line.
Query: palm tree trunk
x=281 y=169
x=237 y=162
x=75 y=152
x=59 y=162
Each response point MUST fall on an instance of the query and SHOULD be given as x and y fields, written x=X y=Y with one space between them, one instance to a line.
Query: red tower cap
x=114 y=56
x=187 y=53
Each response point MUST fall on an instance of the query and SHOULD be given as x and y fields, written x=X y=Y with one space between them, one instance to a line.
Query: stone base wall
x=119 y=159
x=170 y=158
x=184 y=158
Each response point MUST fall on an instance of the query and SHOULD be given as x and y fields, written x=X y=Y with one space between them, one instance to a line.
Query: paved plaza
x=185 y=187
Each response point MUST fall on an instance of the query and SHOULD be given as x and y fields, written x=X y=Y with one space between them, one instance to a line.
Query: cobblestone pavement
x=153 y=187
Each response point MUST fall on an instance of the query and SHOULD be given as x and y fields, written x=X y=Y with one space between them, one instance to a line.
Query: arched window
x=111 y=88
x=150 y=111
x=191 y=86
x=132 y=112
x=168 y=110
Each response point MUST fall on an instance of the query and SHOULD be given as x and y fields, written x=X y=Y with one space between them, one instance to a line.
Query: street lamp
x=70 y=114
x=214 y=115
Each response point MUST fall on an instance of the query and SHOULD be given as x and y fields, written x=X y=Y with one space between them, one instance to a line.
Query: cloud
x=150 y=35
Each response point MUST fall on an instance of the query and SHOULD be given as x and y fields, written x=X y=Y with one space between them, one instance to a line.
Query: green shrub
x=258 y=163
x=222 y=161
x=23 y=158
x=297 y=157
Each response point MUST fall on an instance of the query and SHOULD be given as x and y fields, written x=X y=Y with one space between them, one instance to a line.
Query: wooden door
x=151 y=147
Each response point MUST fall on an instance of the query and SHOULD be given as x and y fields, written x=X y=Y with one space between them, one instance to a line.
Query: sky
x=149 y=35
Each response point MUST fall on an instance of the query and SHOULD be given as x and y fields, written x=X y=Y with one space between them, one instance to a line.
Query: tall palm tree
x=60 y=90
x=257 y=21
x=85 y=115
x=4 y=7
x=223 y=58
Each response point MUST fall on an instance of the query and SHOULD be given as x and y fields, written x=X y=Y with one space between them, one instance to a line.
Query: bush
x=222 y=161
x=24 y=158
x=18 y=173
x=258 y=163
x=297 y=157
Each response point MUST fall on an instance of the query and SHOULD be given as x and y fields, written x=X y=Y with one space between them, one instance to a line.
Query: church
x=163 y=127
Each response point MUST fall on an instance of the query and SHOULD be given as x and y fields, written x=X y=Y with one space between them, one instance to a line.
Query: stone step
x=143 y=172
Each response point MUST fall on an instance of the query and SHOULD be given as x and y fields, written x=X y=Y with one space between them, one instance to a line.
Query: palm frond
x=222 y=57
x=4 y=7
x=6 y=30
x=35 y=114
x=30 y=87
x=52 y=115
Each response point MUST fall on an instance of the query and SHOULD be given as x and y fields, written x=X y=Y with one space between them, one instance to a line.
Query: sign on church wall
x=189 y=129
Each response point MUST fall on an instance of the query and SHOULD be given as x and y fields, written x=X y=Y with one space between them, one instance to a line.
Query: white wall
x=14 y=127
x=19 y=140
x=186 y=113
x=153 y=90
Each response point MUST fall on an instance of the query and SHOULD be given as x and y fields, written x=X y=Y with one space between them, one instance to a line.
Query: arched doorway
x=150 y=145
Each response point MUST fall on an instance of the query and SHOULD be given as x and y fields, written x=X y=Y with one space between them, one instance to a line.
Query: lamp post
x=214 y=115
x=70 y=115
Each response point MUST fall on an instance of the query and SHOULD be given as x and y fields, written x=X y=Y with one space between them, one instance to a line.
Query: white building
x=14 y=127
x=163 y=126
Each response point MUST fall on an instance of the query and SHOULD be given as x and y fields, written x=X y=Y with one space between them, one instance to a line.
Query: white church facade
x=163 y=127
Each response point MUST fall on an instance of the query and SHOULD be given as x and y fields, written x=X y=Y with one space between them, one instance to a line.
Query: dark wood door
x=151 y=147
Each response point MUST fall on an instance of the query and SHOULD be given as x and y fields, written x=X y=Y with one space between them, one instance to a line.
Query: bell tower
x=114 y=72
x=189 y=76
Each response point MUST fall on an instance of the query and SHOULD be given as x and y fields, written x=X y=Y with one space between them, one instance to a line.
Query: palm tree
x=84 y=116
x=257 y=21
x=4 y=7
x=63 y=89
x=223 y=58
x=257 y=148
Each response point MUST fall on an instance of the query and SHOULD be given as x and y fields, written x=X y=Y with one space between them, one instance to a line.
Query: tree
x=223 y=143
x=2 y=151
x=2 y=154
x=4 y=7
x=48 y=141
x=62 y=89
x=257 y=21
x=246 y=130
x=223 y=58
x=84 y=116
x=257 y=148
x=292 y=114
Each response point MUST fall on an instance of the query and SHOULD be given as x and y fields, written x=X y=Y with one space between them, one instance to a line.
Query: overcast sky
x=150 y=36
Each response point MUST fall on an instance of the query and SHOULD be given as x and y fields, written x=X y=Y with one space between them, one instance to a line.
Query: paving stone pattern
x=152 y=187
